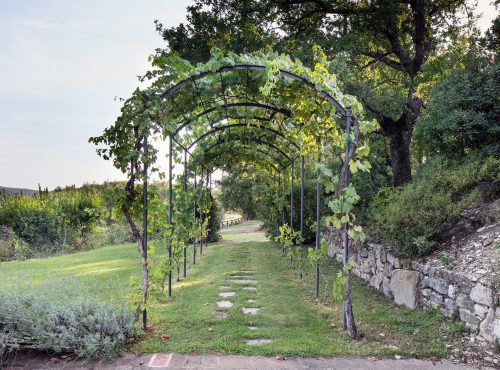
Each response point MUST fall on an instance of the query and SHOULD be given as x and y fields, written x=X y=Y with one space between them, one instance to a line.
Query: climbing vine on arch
x=260 y=90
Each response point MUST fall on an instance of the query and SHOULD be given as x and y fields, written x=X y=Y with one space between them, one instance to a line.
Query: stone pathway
x=129 y=361
x=242 y=280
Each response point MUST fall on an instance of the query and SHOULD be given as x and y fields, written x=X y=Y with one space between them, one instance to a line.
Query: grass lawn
x=297 y=322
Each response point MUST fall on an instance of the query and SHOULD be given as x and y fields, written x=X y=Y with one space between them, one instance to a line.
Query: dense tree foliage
x=381 y=48
x=463 y=113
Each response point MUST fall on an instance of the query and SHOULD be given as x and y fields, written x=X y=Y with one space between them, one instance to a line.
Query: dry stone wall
x=420 y=286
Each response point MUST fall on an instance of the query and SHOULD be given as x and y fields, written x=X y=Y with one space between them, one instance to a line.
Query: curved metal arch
x=253 y=67
x=265 y=158
x=257 y=141
x=222 y=128
x=231 y=105
x=276 y=159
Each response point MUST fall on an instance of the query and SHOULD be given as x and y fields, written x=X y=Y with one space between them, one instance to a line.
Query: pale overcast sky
x=62 y=63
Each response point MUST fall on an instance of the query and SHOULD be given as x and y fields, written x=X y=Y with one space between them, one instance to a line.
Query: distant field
x=230 y=216
x=17 y=191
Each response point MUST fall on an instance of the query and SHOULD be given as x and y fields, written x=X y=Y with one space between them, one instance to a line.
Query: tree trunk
x=400 y=141
x=399 y=133
x=348 y=319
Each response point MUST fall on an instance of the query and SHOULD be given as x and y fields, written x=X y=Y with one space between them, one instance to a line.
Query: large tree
x=381 y=47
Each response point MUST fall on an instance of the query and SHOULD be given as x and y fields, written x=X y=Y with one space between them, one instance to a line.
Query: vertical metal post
x=208 y=198
x=291 y=204
x=194 y=217
x=302 y=205
x=291 y=194
x=347 y=177
x=145 y=226
x=283 y=218
x=278 y=209
x=170 y=210
x=201 y=211
x=184 y=251
x=318 y=204
x=185 y=169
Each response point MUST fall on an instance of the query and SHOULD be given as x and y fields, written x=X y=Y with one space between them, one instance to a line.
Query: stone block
x=469 y=318
x=376 y=281
x=363 y=252
x=438 y=285
x=426 y=292
x=366 y=277
x=364 y=266
x=462 y=282
x=388 y=268
x=390 y=258
x=450 y=305
x=489 y=329
x=481 y=294
x=451 y=291
x=436 y=298
x=480 y=310
x=386 y=286
x=444 y=275
x=405 y=287
x=464 y=301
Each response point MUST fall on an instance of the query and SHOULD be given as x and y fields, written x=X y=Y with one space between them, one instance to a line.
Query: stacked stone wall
x=420 y=286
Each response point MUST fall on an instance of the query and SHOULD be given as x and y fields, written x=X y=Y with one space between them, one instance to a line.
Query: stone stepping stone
x=257 y=342
x=252 y=327
x=221 y=314
x=251 y=301
x=243 y=281
x=241 y=276
x=224 y=304
x=250 y=310
x=247 y=271
x=224 y=287
x=227 y=294
x=249 y=288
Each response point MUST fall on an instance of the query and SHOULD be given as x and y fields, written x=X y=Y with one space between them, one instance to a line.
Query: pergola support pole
x=278 y=189
x=145 y=230
x=318 y=217
x=170 y=210
x=194 y=218
x=201 y=212
x=302 y=205
x=291 y=204
x=184 y=252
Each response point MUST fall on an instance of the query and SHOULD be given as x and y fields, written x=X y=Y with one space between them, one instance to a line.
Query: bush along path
x=242 y=298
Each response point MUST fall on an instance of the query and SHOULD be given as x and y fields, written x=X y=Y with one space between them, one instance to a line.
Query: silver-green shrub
x=83 y=327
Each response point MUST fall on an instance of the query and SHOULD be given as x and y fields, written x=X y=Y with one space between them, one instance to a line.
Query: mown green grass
x=297 y=322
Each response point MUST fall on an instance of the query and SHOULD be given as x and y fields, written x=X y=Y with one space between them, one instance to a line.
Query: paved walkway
x=176 y=361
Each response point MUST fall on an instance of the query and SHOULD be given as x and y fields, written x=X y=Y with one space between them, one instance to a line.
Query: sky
x=62 y=63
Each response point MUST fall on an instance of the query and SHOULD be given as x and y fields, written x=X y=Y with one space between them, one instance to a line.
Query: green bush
x=84 y=328
x=52 y=223
x=214 y=221
x=11 y=247
x=412 y=218
x=463 y=112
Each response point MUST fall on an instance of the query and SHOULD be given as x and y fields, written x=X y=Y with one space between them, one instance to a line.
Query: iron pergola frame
x=344 y=112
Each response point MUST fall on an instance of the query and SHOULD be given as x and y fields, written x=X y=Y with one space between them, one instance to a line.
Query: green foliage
x=52 y=222
x=413 y=217
x=340 y=280
x=448 y=261
x=291 y=241
x=463 y=112
x=214 y=221
x=11 y=246
x=238 y=191
x=84 y=327
x=317 y=255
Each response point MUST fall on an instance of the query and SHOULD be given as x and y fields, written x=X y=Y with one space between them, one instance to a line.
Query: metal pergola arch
x=344 y=112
